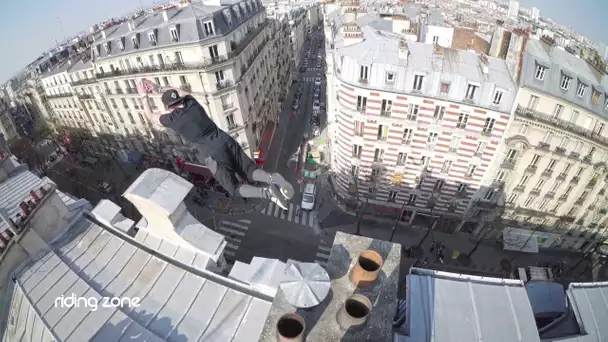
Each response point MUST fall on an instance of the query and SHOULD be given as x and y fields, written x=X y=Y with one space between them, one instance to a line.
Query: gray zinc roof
x=177 y=302
x=189 y=18
x=560 y=62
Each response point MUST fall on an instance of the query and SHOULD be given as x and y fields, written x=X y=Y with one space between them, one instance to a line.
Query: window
x=454 y=144
x=354 y=170
x=387 y=105
x=488 y=126
x=565 y=83
x=579 y=146
x=557 y=111
x=471 y=90
x=407 y=136
x=539 y=185
x=439 y=111
x=551 y=165
x=390 y=77
x=554 y=187
x=375 y=173
x=463 y=118
x=208 y=28
x=412 y=199
x=230 y=121
x=580 y=91
x=523 y=181
x=574 y=116
x=500 y=176
x=471 y=170
x=178 y=58
x=413 y=113
x=447 y=165
x=431 y=139
x=564 y=143
x=121 y=45
x=135 y=42
x=580 y=171
x=566 y=169
x=529 y=201
x=165 y=81
x=547 y=138
x=444 y=88
x=359 y=128
x=418 y=82
x=183 y=81
x=543 y=204
x=131 y=118
x=438 y=185
x=523 y=129
x=481 y=146
x=462 y=187
x=425 y=160
x=540 y=72
x=401 y=158
x=512 y=198
x=174 y=34
x=378 y=155
x=141 y=118
x=497 y=98
x=489 y=195
x=392 y=195
x=107 y=47
x=363 y=73
x=382 y=132
x=361 y=103
x=124 y=103
x=357 y=151
x=535 y=160
x=435 y=40
x=533 y=103
x=152 y=38
x=599 y=128
x=213 y=52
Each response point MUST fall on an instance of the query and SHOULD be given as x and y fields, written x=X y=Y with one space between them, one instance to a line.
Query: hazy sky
x=31 y=27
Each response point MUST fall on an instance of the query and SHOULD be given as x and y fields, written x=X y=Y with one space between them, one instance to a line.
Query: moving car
x=308 y=198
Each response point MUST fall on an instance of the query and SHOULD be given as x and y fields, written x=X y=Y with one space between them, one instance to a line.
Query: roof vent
x=366 y=269
x=290 y=328
x=305 y=284
x=354 y=312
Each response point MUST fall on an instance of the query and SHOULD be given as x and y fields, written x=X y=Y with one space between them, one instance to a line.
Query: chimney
x=103 y=34
x=354 y=312
x=25 y=209
x=366 y=269
x=34 y=196
x=165 y=16
x=290 y=328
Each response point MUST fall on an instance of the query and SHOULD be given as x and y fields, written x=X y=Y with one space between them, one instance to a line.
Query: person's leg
x=247 y=169
x=270 y=192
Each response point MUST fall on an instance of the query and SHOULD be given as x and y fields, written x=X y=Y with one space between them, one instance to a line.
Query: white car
x=308 y=198
x=318 y=81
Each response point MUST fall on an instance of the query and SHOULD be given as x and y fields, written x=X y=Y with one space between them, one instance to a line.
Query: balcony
x=187 y=87
x=574 y=155
x=543 y=146
x=130 y=91
x=560 y=150
x=591 y=183
x=151 y=69
x=363 y=81
x=412 y=117
x=531 y=169
x=575 y=180
x=547 y=173
x=558 y=123
x=85 y=96
x=550 y=195
x=84 y=81
x=519 y=188
x=385 y=113
x=508 y=163
x=59 y=96
x=223 y=84
x=485 y=204
x=602 y=192
x=561 y=176
x=462 y=194
x=486 y=132
x=535 y=192
x=227 y=106
x=563 y=198
x=587 y=159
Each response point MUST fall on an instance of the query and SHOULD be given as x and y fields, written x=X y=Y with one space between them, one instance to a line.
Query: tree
x=27 y=151
x=374 y=179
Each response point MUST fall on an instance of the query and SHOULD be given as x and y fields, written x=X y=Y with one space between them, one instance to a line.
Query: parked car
x=295 y=105
x=302 y=69
x=318 y=81
x=308 y=198
x=316 y=105
x=314 y=119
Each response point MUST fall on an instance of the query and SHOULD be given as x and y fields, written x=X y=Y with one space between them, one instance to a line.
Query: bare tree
x=362 y=204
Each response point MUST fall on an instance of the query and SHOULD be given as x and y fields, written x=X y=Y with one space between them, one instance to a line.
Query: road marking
x=232 y=246
x=323 y=248
x=290 y=212
x=234 y=225
x=245 y=221
x=298 y=214
x=269 y=210
x=311 y=219
x=229 y=253
x=231 y=231
x=283 y=212
x=276 y=210
x=322 y=255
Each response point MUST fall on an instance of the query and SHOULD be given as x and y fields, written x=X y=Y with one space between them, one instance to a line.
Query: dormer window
x=595 y=98
x=152 y=38
x=565 y=83
x=135 y=41
x=237 y=11
x=208 y=25
x=121 y=44
x=606 y=103
x=107 y=47
x=540 y=72
x=174 y=31
x=97 y=50
x=582 y=88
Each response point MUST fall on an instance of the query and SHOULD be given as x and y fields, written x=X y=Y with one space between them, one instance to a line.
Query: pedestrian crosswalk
x=234 y=231
x=294 y=214
x=323 y=252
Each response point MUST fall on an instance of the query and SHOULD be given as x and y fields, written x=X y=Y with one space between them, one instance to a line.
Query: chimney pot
x=354 y=312
x=366 y=269
x=290 y=328
x=34 y=196
x=165 y=16
x=25 y=209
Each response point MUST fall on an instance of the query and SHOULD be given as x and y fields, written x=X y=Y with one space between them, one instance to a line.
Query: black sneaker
x=286 y=189
x=274 y=194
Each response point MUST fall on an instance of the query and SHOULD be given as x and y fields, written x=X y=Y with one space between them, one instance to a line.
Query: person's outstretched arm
x=144 y=88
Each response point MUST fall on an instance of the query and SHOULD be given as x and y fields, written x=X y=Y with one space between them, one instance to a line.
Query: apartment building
x=418 y=125
x=553 y=162
x=228 y=56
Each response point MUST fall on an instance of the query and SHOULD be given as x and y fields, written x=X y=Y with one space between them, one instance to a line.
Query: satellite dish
x=305 y=284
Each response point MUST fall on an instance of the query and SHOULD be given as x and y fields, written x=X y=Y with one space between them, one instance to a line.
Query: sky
x=31 y=29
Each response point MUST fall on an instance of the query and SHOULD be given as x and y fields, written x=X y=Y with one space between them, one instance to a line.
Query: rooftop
x=561 y=63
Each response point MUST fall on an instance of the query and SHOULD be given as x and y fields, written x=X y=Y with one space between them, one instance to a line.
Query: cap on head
x=170 y=98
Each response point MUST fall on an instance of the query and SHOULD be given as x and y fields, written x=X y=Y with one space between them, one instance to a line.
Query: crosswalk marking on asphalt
x=234 y=232
x=293 y=214
x=323 y=253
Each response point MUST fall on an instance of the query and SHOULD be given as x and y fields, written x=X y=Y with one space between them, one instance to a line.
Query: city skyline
x=44 y=23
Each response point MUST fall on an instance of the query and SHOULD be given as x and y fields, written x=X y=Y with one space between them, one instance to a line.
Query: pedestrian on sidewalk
x=432 y=248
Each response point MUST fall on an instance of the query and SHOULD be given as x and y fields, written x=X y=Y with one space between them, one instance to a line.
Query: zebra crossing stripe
x=310 y=219
x=231 y=246
x=276 y=211
x=236 y=225
x=324 y=248
x=322 y=255
x=283 y=213
x=269 y=208
x=299 y=212
x=231 y=231
x=290 y=212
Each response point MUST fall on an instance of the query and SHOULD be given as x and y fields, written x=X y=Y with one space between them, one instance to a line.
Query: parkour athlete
x=217 y=151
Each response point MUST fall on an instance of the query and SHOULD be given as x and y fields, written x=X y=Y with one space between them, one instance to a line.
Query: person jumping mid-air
x=220 y=153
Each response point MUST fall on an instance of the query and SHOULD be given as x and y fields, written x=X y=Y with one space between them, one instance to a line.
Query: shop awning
x=519 y=240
